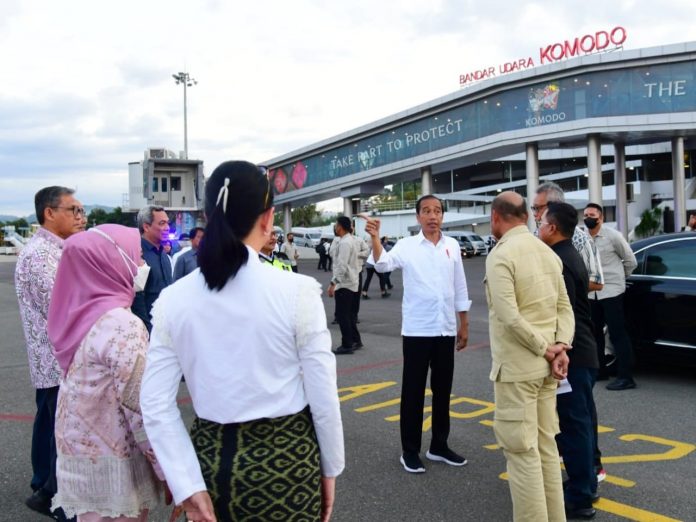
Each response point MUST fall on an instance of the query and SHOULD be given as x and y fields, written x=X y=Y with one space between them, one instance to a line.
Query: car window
x=673 y=259
x=476 y=238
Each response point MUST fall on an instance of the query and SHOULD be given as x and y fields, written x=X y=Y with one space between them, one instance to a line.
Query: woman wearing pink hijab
x=106 y=470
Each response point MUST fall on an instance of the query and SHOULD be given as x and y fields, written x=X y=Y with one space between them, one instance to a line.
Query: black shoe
x=342 y=350
x=412 y=463
x=334 y=321
x=576 y=513
x=356 y=346
x=385 y=294
x=390 y=287
x=40 y=501
x=365 y=296
x=621 y=384
x=447 y=456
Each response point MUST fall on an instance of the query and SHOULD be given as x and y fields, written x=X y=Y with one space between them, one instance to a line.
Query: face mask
x=590 y=222
x=140 y=278
x=141 y=272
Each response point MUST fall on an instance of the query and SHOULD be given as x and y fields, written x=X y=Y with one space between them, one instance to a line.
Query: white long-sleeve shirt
x=434 y=284
x=259 y=348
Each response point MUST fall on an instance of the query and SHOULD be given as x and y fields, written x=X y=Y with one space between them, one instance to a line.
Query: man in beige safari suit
x=531 y=327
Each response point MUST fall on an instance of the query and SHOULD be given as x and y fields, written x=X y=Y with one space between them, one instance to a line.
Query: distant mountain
x=4 y=218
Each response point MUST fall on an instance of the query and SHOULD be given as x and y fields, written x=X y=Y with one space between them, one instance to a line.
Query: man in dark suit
x=576 y=440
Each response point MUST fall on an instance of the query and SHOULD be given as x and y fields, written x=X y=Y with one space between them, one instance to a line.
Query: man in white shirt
x=345 y=287
x=290 y=250
x=618 y=261
x=435 y=293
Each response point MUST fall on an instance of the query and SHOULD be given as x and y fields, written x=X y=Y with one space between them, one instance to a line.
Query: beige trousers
x=525 y=426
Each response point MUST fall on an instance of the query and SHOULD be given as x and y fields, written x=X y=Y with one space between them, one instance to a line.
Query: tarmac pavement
x=648 y=438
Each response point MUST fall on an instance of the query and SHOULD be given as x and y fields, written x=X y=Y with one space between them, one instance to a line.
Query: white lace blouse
x=259 y=348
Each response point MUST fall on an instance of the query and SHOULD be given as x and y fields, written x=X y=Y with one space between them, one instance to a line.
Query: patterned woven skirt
x=261 y=470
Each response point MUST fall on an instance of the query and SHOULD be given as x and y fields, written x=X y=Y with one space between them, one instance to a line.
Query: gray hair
x=554 y=193
x=146 y=215
x=49 y=197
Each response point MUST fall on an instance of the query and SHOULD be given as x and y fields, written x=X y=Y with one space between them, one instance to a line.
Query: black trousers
x=610 y=311
x=576 y=442
x=356 y=305
x=345 y=315
x=43 y=442
x=421 y=353
x=323 y=259
x=370 y=271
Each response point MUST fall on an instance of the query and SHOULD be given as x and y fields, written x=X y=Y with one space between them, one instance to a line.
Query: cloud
x=87 y=85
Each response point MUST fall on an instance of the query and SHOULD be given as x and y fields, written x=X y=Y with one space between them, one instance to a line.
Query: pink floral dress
x=105 y=464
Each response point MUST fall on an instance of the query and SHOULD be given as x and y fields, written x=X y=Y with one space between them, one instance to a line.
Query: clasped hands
x=558 y=359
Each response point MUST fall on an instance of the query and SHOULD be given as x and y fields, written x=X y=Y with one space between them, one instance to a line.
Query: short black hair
x=49 y=197
x=344 y=223
x=236 y=194
x=194 y=231
x=563 y=216
x=428 y=196
x=595 y=206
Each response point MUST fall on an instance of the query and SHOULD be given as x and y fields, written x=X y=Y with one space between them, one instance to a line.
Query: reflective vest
x=275 y=262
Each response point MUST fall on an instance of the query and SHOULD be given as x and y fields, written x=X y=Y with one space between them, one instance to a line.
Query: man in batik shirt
x=60 y=215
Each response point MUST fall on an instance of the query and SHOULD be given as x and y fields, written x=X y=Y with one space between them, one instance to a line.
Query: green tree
x=650 y=222
x=120 y=218
x=19 y=223
x=98 y=216
x=305 y=216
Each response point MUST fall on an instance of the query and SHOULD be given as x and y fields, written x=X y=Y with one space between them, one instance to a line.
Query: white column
x=532 y=178
x=594 y=169
x=348 y=207
x=426 y=181
x=620 y=183
x=287 y=217
x=679 y=181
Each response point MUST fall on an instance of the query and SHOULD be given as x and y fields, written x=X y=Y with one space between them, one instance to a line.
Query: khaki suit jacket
x=528 y=306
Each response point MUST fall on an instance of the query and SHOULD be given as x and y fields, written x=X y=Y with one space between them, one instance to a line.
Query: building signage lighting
x=601 y=41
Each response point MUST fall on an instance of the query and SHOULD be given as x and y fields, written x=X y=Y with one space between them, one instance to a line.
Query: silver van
x=476 y=240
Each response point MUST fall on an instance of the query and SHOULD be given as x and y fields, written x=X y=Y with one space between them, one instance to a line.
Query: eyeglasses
x=263 y=170
x=76 y=211
x=541 y=223
x=538 y=208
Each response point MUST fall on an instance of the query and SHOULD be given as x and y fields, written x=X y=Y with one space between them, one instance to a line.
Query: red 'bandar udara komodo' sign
x=586 y=44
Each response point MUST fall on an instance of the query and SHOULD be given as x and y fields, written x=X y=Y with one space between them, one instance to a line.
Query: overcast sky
x=87 y=85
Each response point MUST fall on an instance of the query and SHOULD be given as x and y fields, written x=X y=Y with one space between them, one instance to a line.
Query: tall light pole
x=185 y=79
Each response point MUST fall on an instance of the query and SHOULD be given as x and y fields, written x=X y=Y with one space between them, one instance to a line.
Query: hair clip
x=224 y=192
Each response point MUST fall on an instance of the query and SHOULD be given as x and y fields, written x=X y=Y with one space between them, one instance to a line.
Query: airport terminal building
x=615 y=128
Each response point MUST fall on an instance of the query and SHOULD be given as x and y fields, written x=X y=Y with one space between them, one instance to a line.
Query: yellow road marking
x=678 y=450
x=488 y=407
x=618 y=481
x=623 y=510
x=377 y=406
x=492 y=446
x=604 y=429
x=362 y=389
x=486 y=422
x=630 y=512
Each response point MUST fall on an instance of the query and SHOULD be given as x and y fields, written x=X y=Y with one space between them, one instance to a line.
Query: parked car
x=660 y=299
x=466 y=247
x=478 y=243
x=306 y=237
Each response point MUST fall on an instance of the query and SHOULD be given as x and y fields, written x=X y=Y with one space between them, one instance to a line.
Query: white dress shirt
x=618 y=262
x=434 y=284
x=258 y=348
